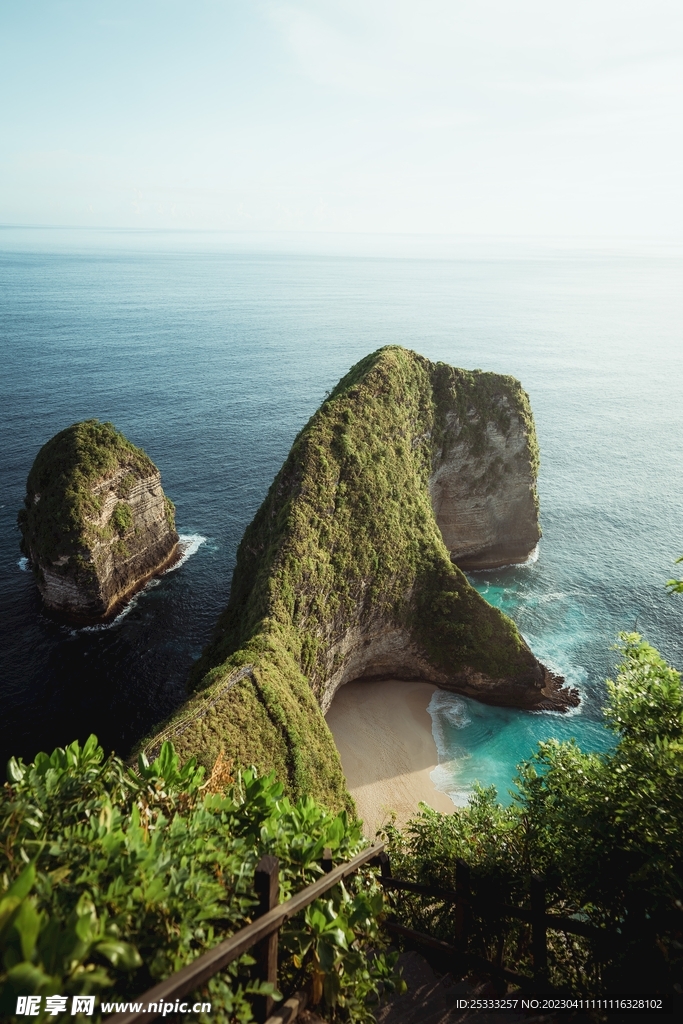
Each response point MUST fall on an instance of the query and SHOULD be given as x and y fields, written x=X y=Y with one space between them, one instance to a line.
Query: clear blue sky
x=478 y=117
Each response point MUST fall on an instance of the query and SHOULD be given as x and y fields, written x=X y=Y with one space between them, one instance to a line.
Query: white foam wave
x=451 y=706
x=189 y=544
x=575 y=675
x=23 y=564
x=569 y=713
x=533 y=557
x=444 y=782
x=548 y=598
x=530 y=560
x=448 y=708
x=555 y=595
x=122 y=614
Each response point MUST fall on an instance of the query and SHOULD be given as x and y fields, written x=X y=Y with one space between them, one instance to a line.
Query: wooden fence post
x=463 y=891
x=539 y=939
x=266 y=884
x=384 y=864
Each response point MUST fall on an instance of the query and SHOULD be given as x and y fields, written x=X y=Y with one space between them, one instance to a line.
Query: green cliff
x=95 y=523
x=344 y=573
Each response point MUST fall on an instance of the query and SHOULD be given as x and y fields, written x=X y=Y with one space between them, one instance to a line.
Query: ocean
x=212 y=351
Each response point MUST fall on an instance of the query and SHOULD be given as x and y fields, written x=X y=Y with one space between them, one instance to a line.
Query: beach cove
x=383 y=733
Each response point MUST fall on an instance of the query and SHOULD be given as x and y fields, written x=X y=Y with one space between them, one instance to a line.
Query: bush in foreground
x=606 y=831
x=111 y=880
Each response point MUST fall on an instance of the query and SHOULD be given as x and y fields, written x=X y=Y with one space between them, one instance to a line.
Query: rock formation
x=96 y=523
x=344 y=572
x=483 y=482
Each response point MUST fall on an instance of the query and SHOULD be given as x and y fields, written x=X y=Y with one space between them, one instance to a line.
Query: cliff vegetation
x=343 y=573
x=112 y=879
x=96 y=523
x=61 y=506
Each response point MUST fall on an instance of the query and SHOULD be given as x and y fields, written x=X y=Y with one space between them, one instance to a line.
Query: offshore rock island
x=350 y=569
x=96 y=523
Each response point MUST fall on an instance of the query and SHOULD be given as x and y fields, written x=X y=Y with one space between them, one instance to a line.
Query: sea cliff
x=96 y=523
x=485 y=462
x=348 y=569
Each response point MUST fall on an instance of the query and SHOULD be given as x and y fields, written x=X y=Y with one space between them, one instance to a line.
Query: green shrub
x=122 y=518
x=169 y=509
x=126 y=485
x=112 y=879
x=606 y=831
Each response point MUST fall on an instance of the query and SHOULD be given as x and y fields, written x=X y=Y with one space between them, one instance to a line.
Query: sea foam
x=533 y=557
x=448 y=709
x=443 y=779
x=189 y=544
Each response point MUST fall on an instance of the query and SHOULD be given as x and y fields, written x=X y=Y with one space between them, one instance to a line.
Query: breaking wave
x=533 y=557
x=447 y=709
x=443 y=779
x=452 y=709
x=189 y=544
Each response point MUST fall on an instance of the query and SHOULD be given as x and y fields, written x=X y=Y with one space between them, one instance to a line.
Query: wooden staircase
x=433 y=1000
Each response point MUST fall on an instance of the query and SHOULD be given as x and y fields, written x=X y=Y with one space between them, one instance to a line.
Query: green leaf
x=332 y=988
x=28 y=979
x=27 y=923
x=24 y=882
x=86 y=918
x=327 y=954
x=9 y=908
x=15 y=770
x=123 y=955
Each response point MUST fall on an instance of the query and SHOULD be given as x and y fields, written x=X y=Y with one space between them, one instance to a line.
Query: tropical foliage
x=112 y=879
x=606 y=831
x=675 y=586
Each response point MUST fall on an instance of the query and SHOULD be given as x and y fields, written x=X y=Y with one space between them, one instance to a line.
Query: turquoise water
x=212 y=352
x=477 y=743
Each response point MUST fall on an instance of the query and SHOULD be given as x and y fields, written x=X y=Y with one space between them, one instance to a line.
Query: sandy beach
x=383 y=734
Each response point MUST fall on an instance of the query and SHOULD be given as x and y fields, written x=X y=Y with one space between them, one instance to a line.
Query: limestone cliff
x=483 y=481
x=96 y=523
x=344 y=573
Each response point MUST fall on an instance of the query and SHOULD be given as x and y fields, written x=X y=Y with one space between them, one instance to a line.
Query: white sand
x=383 y=733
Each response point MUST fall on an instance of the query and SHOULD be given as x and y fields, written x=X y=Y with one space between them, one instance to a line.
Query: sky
x=486 y=117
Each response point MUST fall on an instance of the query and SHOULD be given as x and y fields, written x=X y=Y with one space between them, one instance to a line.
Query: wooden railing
x=262 y=933
x=464 y=900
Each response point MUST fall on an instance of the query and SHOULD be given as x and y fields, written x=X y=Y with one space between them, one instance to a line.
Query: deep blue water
x=211 y=353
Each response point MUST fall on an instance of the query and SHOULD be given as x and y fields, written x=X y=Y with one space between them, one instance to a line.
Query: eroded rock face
x=485 y=500
x=349 y=570
x=96 y=524
x=379 y=649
